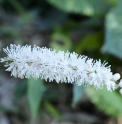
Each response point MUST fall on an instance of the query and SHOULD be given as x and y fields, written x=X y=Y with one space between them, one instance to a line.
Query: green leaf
x=52 y=110
x=109 y=102
x=87 y=7
x=60 y=41
x=21 y=89
x=77 y=94
x=35 y=92
x=90 y=42
x=113 y=34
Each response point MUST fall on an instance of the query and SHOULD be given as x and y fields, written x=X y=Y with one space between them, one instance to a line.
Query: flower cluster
x=26 y=62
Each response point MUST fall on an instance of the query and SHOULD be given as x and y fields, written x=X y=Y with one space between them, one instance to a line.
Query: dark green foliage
x=90 y=42
x=87 y=7
x=113 y=31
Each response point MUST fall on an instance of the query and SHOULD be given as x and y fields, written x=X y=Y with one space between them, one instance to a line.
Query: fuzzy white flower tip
x=47 y=64
x=120 y=83
x=116 y=76
x=120 y=91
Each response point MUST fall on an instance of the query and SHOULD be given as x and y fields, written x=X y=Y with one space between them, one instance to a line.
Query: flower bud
x=116 y=76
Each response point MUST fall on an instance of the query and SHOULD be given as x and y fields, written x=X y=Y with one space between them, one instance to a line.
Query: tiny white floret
x=116 y=76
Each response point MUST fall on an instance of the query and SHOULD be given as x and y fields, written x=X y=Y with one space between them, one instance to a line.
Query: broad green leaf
x=77 y=94
x=35 y=92
x=109 y=102
x=90 y=42
x=113 y=31
x=21 y=89
x=87 y=7
x=52 y=110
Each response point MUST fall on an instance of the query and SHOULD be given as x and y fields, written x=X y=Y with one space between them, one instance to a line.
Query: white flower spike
x=26 y=62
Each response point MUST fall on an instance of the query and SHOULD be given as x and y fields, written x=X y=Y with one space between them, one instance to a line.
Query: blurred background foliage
x=88 y=27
